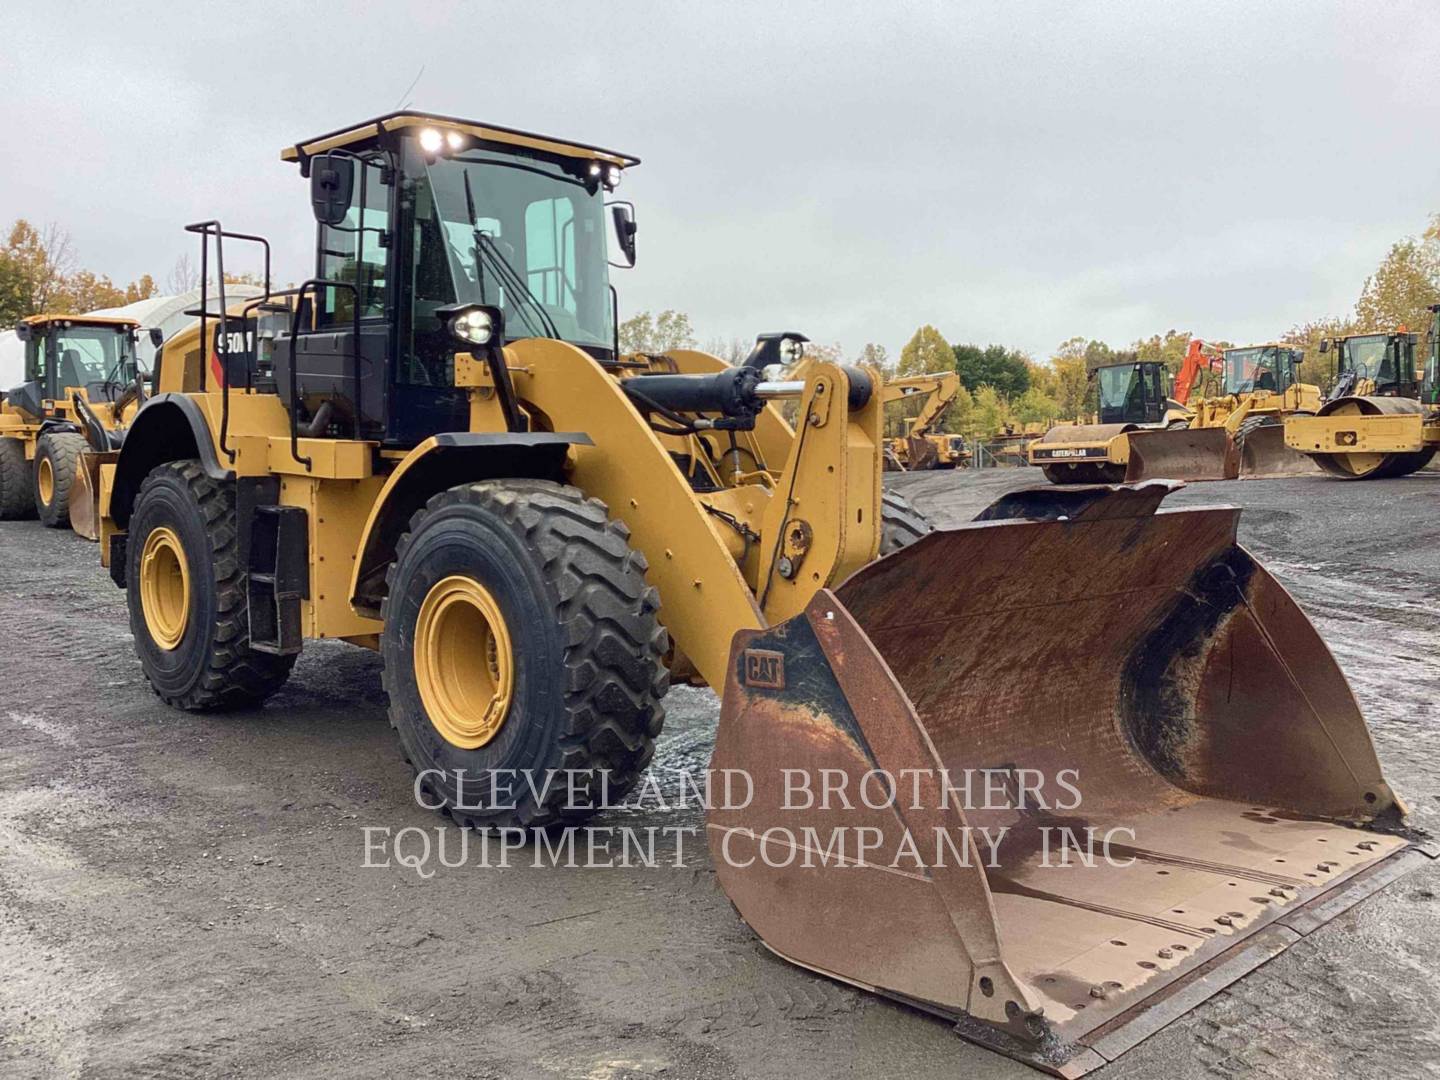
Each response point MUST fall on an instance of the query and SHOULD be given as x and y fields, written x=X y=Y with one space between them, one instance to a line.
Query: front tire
x=17 y=499
x=901 y=523
x=523 y=655
x=56 y=456
x=186 y=592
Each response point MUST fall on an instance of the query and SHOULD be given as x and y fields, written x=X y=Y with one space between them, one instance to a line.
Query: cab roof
x=83 y=320
x=357 y=135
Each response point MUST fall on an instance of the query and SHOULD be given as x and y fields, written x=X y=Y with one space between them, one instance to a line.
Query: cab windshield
x=524 y=236
x=1369 y=358
x=1120 y=386
x=1247 y=370
x=90 y=354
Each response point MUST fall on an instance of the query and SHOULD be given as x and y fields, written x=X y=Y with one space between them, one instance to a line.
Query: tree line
x=1004 y=387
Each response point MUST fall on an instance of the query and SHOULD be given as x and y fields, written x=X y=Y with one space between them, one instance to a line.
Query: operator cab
x=432 y=232
x=67 y=353
x=1132 y=392
x=1385 y=363
x=1261 y=367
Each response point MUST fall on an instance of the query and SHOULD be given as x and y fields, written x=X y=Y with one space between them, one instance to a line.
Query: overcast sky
x=1017 y=172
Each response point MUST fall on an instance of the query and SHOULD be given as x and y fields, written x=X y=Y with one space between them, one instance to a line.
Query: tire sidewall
x=473 y=541
x=166 y=500
x=57 y=510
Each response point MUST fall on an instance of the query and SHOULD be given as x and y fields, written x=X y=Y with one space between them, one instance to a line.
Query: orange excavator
x=1203 y=364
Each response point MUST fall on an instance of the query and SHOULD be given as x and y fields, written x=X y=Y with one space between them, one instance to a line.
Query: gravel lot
x=185 y=896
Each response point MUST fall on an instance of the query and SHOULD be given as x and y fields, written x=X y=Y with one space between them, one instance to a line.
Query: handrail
x=207 y=229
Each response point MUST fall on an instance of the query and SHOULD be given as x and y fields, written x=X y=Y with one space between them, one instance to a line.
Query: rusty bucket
x=85 y=493
x=1057 y=775
x=1264 y=455
x=1182 y=454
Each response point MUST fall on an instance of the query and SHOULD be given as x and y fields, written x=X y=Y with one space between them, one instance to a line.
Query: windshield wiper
x=508 y=275
x=501 y=265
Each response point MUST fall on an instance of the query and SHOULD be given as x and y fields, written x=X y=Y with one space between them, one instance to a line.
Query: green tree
x=1035 y=407
x=646 y=333
x=927 y=351
x=995 y=366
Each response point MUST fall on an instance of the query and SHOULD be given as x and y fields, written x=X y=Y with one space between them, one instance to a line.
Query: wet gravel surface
x=186 y=896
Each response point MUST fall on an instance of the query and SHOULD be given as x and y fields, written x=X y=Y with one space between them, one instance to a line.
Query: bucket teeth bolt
x=1225 y=920
x=1165 y=954
x=1277 y=891
x=1098 y=991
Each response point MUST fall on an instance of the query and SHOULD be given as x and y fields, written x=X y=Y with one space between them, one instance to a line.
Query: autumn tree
x=927 y=351
x=876 y=357
x=43 y=259
x=1404 y=285
x=647 y=333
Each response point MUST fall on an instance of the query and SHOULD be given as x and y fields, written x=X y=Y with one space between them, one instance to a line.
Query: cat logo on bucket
x=763 y=669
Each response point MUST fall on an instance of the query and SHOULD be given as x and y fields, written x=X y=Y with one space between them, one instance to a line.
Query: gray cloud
x=1014 y=172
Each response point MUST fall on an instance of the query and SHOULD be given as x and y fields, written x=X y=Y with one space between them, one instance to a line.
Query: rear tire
x=901 y=523
x=197 y=653
x=17 y=498
x=56 y=456
x=574 y=655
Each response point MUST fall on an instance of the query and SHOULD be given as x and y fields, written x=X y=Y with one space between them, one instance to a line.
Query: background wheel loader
x=910 y=444
x=1132 y=397
x=79 y=370
x=443 y=456
x=1382 y=419
x=1237 y=433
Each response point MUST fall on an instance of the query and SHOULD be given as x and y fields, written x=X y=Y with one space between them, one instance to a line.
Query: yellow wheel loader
x=1132 y=398
x=435 y=449
x=1382 y=419
x=916 y=448
x=79 y=370
x=1238 y=433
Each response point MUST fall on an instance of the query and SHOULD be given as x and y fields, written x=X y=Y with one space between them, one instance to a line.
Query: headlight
x=454 y=140
x=612 y=177
x=791 y=350
x=431 y=141
x=595 y=170
x=472 y=324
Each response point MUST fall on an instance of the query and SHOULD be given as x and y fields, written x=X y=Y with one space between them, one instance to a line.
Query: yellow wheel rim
x=164 y=588
x=464 y=665
x=46 y=481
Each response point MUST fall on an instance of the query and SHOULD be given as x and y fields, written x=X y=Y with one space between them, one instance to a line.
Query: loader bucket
x=85 y=493
x=938 y=749
x=1263 y=454
x=1182 y=454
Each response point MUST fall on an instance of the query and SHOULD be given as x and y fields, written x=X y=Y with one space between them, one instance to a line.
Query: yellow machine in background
x=1382 y=419
x=1239 y=432
x=917 y=448
x=1133 y=397
x=80 y=370
x=440 y=453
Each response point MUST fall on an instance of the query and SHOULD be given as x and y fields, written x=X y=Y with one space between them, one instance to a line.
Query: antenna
x=403 y=102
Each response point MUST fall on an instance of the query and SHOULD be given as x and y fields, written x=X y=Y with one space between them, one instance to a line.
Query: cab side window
x=357 y=251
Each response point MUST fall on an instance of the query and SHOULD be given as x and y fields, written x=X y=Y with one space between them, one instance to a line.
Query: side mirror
x=157 y=336
x=23 y=331
x=1324 y=345
x=332 y=183
x=623 y=214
